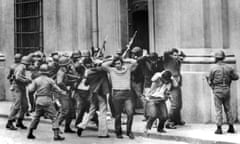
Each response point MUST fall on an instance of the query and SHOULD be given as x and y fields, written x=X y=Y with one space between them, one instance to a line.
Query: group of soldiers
x=65 y=87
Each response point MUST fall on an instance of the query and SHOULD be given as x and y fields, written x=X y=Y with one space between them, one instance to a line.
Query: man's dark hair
x=153 y=56
x=87 y=60
x=117 y=58
x=174 y=50
x=167 y=75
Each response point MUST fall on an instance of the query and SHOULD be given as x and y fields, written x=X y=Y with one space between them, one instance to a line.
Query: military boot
x=231 y=129
x=19 y=124
x=219 y=130
x=10 y=125
x=30 y=134
x=57 y=136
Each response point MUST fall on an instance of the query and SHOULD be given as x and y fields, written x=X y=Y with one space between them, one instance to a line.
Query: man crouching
x=42 y=87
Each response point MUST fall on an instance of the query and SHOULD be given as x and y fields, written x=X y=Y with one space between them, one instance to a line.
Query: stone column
x=6 y=43
x=50 y=26
x=67 y=25
x=234 y=29
x=84 y=24
x=110 y=24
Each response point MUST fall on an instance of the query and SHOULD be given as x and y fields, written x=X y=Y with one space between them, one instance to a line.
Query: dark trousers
x=122 y=100
x=175 y=106
x=156 y=110
x=83 y=105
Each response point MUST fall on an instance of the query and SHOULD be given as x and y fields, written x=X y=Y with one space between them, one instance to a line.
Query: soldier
x=44 y=106
x=20 y=104
x=17 y=60
x=64 y=81
x=219 y=79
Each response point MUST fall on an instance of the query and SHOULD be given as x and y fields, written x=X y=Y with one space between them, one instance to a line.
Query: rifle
x=100 y=51
x=128 y=46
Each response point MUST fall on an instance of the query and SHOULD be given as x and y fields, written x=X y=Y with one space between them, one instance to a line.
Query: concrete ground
x=190 y=133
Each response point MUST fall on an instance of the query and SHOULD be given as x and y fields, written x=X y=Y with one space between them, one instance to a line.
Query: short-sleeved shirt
x=121 y=79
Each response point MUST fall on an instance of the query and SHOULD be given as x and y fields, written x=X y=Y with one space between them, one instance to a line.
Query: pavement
x=190 y=133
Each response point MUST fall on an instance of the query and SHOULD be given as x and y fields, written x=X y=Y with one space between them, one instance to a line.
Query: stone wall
x=197 y=26
x=6 y=43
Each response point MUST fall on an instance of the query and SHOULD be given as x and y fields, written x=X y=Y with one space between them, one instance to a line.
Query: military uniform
x=220 y=78
x=65 y=82
x=20 y=104
x=43 y=87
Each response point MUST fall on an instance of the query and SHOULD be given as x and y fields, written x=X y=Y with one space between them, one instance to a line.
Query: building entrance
x=138 y=21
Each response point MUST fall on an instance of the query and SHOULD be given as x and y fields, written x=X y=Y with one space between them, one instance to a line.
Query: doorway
x=138 y=21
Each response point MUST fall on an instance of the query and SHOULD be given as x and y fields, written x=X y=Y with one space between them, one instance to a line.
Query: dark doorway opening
x=138 y=21
x=140 y=24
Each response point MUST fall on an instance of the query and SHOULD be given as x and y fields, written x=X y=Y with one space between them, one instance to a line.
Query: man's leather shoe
x=69 y=131
x=218 y=131
x=119 y=136
x=107 y=136
x=131 y=135
x=79 y=131
x=161 y=131
x=181 y=123
x=231 y=129
x=170 y=126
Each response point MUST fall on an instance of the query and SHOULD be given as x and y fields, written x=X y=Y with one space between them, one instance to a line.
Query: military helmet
x=63 y=61
x=85 y=53
x=136 y=49
x=17 y=57
x=49 y=59
x=55 y=57
x=219 y=54
x=76 y=54
x=44 y=69
x=26 y=60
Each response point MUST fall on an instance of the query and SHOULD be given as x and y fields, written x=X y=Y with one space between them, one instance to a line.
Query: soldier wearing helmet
x=20 y=104
x=76 y=56
x=65 y=79
x=43 y=86
x=219 y=79
x=219 y=55
x=85 y=53
x=17 y=60
x=136 y=52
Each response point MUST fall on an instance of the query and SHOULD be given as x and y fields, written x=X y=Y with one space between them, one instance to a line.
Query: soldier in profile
x=219 y=79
